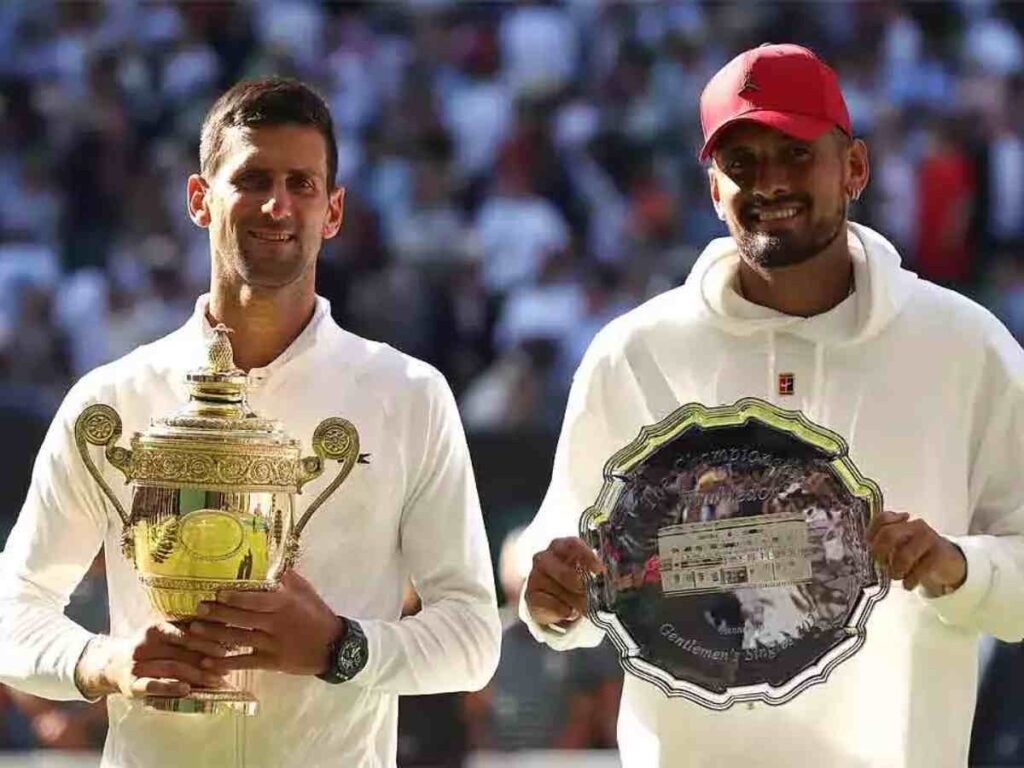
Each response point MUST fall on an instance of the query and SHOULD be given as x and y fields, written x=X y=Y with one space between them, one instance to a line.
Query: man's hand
x=555 y=589
x=911 y=550
x=159 y=660
x=288 y=630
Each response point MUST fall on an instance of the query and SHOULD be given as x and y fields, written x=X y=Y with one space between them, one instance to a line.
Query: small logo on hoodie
x=786 y=381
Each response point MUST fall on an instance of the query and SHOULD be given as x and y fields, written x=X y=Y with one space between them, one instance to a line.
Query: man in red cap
x=807 y=311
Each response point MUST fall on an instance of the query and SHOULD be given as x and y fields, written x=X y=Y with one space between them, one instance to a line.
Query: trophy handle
x=333 y=439
x=100 y=425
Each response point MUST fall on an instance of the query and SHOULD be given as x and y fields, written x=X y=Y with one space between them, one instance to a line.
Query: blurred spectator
x=538 y=46
x=548 y=309
x=434 y=231
x=945 y=192
x=511 y=394
x=33 y=353
x=538 y=699
x=518 y=229
x=478 y=108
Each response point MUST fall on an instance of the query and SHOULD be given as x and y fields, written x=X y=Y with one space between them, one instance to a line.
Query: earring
x=855 y=194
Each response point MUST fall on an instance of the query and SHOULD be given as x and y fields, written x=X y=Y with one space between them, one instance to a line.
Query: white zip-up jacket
x=411 y=512
x=928 y=390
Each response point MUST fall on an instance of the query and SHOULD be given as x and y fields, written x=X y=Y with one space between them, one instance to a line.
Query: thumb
x=291 y=579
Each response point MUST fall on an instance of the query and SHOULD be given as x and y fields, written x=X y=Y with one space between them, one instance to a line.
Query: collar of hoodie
x=882 y=288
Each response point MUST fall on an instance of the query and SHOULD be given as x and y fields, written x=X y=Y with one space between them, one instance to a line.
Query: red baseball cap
x=785 y=87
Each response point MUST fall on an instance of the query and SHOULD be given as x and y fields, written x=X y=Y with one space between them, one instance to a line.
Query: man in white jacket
x=814 y=313
x=329 y=654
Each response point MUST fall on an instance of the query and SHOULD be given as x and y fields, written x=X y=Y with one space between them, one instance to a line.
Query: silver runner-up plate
x=735 y=541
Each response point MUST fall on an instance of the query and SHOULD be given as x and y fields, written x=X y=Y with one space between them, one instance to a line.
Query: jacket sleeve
x=584 y=445
x=58 y=533
x=452 y=644
x=991 y=599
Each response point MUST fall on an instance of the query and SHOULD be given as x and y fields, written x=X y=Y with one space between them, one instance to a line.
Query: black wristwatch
x=348 y=654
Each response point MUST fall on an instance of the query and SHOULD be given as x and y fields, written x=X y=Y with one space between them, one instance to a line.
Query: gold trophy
x=213 y=499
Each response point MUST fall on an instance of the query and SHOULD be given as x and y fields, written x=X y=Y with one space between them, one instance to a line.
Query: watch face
x=350 y=656
x=352 y=652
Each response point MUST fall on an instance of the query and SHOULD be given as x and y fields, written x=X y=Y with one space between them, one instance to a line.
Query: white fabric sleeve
x=453 y=643
x=584 y=445
x=991 y=599
x=58 y=534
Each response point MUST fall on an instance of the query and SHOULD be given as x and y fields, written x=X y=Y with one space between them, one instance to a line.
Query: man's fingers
x=174 y=670
x=205 y=647
x=226 y=614
x=910 y=550
x=257 y=602
x=254 y=660
x=541 y=582
x=883 y=519
x=149 y=686
x=229 y=637
x=922 y=568
x=550 y=609
x=888 y=540
x=574 y=551
x=148 y=651
x=565 y=574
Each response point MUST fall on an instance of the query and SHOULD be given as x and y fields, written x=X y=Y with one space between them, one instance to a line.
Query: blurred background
x=518 y=174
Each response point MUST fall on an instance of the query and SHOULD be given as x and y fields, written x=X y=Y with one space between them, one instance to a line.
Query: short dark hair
x=268 y=101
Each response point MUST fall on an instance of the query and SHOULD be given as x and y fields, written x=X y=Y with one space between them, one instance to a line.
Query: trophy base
x=205 y=702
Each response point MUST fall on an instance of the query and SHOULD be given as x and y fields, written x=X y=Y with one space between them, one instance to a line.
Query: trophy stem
x=206 y=701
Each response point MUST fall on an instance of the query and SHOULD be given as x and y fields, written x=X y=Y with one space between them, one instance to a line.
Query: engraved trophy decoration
x=213 y=501
x=734 y=540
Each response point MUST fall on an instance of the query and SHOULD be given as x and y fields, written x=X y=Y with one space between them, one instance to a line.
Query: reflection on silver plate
x=735 y=546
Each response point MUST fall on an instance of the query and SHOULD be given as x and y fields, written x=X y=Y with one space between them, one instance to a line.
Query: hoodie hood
x=882 y=287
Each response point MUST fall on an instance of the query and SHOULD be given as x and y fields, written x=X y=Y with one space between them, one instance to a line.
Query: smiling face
x=784 y=200
x=268 y=205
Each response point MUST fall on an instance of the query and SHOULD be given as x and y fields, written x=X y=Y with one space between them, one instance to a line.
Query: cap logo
x=748 y=84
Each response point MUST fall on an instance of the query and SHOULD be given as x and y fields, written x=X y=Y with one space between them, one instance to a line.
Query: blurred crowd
x=517 y=174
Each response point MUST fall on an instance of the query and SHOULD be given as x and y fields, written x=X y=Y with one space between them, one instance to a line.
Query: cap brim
x=799 y=127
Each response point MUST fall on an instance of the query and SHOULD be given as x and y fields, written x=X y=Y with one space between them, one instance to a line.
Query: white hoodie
x=928 y=390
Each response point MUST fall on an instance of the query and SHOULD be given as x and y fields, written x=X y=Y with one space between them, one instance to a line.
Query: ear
x=335 y=213
x=858 y=169
x=716 y=195
x=198 y=209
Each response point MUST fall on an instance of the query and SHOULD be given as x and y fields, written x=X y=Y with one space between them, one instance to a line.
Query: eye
x=302 y=183
x=799 y=152
x=249 y=182
x=737 y=163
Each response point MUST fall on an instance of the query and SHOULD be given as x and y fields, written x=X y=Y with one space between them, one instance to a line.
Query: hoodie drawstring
x=771 y=367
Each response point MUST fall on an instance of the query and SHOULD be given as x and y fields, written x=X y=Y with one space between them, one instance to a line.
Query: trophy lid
x=217 y=427
x=217 y=401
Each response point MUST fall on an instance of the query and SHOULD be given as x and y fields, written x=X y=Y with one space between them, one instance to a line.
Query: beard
x=786 y=248
x=266 y=265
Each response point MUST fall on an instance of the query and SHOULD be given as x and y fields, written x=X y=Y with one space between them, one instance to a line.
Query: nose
x=771 y=179
x=278 y=205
